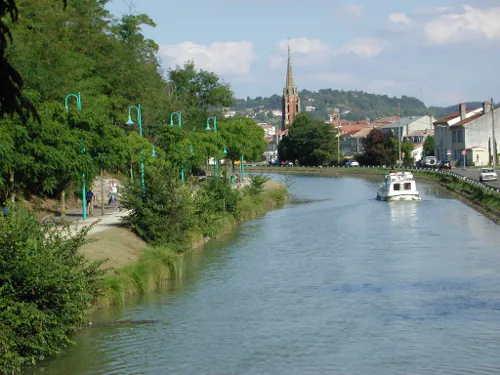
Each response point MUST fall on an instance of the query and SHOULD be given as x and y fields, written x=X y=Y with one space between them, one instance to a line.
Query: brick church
x=290 y=101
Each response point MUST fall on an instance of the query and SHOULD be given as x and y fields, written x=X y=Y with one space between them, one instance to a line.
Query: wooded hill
x=359 y=105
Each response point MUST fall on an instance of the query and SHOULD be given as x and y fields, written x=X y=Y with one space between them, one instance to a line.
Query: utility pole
x=494 y=143
x=399 y=136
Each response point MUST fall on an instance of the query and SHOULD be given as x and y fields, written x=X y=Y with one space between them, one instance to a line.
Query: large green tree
x=309 y=141
x=378 y=148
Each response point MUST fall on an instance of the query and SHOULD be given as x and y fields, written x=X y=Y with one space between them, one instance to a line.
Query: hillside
x=356 y=105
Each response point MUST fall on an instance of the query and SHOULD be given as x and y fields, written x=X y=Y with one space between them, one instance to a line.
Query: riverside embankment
x=483 y=198
x=134 y=268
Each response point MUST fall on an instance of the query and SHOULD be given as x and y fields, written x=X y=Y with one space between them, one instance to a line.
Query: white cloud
x=353 y=11
x=472 y=23
x=304 y=45
x=364 y=47
x=401 y=19
x=221 y=57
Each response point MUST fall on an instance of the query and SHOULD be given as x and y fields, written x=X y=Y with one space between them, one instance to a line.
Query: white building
x=469 y=130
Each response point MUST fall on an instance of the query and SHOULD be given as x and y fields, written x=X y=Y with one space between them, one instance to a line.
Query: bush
x=257 y=184
x=46 y=288
x=166 y=211
x=213 y=202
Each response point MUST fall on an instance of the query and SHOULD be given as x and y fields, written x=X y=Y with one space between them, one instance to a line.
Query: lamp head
x=208 y=127
x=171 y=122
x=129 y=121
x=225 y=151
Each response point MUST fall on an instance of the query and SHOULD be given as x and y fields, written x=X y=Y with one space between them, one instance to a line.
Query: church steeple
x=289 y=72
x=291 y=101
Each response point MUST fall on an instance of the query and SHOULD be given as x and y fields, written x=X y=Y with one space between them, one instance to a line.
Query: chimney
x=463 y=111
x=486 y=107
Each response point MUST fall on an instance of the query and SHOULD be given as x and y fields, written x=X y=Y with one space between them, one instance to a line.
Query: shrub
x=257 y=184
x=46 y=288
x=166 y=212
x=213 y=202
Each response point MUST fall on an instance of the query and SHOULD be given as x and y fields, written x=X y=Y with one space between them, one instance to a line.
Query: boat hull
x=399 y=197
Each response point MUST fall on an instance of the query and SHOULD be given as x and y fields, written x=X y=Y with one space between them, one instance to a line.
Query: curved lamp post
x=214 y=120
x=179 y=123
x=82 y=150
x=139 y=122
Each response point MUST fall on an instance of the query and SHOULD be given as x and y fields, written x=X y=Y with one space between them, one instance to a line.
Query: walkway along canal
x=338 y=284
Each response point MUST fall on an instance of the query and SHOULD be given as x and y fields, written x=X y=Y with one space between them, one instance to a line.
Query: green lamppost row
x=179 y=123
x=139 y=122
x=82 y=150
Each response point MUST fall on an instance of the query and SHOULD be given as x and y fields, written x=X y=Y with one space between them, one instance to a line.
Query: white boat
x=398 y=186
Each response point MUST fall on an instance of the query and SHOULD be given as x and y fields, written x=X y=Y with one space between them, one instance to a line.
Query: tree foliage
x=378 y=148
x=428 y=146
x=311 y=142
x=46 y=288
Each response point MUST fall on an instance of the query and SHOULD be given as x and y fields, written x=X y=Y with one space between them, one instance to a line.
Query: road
x=473 y=174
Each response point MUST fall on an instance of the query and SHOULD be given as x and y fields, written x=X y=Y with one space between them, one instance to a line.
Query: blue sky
x=440 y=51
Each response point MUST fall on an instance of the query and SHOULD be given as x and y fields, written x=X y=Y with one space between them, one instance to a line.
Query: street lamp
x=139 y=122
x=179 y=123
x=82 y=150
x=214 y=119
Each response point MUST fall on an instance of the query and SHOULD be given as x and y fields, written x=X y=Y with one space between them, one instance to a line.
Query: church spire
x=289 y=73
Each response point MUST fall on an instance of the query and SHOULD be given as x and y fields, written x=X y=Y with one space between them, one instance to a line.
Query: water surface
x=342 y=285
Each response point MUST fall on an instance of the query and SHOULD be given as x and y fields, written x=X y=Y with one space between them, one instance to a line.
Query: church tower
x=290 y=101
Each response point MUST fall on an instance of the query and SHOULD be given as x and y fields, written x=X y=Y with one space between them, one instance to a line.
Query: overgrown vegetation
x=46 y=288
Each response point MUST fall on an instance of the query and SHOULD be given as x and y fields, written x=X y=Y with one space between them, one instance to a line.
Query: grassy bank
x=474 y=195
x=156 y=265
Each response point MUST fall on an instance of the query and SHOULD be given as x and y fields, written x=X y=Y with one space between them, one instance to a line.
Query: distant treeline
x=361 y=105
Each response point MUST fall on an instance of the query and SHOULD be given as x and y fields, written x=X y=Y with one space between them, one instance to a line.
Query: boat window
x=407 y=186
x=397 y=187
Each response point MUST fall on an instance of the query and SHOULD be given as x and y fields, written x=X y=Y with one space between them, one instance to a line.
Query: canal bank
x=484 y=200
x=134 y=268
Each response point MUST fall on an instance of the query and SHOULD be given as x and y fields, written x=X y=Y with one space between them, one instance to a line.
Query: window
x=407 y=186
x=460 y=135
x=454 y=136
x=397 y=187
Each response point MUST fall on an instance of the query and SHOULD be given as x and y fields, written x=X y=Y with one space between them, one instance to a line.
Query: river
x=338 y=284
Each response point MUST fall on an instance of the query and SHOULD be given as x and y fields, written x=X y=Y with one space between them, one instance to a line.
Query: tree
x=311 y=142
x=407 y=148
x=428 y=146
x=378 y=148
x=243 y=137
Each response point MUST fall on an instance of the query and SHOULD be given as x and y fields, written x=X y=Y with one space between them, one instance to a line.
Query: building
x=352 y=144
x=466 y=130
x=406 y=125
x=290 y=101
x=418 y=137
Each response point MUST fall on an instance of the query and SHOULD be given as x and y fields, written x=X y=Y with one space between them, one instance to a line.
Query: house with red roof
x=469 y=131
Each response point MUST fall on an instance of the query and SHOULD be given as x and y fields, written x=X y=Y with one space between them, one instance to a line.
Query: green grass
x=154 y=268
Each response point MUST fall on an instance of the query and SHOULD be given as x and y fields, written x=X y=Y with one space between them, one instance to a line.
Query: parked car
x=428 y=162
x=351 y=163
x=444 y=164
x=487 y=174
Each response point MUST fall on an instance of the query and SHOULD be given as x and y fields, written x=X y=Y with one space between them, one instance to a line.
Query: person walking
x=90 y=202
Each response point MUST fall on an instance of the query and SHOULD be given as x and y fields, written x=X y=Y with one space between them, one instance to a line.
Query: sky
x=442 y=52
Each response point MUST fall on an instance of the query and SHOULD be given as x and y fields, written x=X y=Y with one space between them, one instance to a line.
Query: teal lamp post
x=179 y=123
x=139 y=122
x=82 y=150
x=214 y=120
